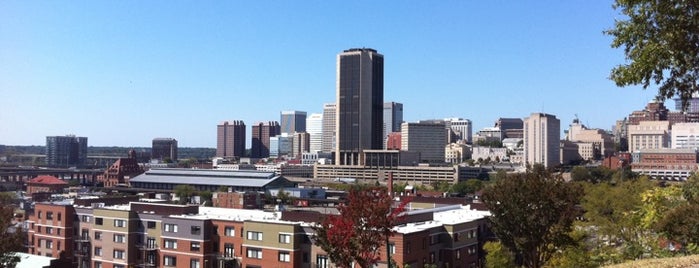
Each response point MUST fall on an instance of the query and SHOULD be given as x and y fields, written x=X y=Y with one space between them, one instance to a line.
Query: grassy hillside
x=676 y=262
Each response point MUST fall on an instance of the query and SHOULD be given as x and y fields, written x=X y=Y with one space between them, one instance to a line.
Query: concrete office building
x=593 y=144
x=329 y=128
x=359 y=104
x=293 y=121
x=280 y=145
x=261 y=132
x=66 y=151
x=685 y=136
x=230 y=139
x=649 y=135
x=462 y=128
x=427 y=138
x=164 y=148
x=510 y=127
x=301 y=144
x=542 y=140
x=392 y=118
x=314 y=127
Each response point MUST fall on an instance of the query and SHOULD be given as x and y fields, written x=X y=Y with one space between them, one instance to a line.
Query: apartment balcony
x=226 y=256
x=82 y=239
x=82 y=253
x=146 y=264
x=148 y=246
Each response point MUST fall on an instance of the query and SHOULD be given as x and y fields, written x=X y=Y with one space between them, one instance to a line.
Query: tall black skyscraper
x=359 y=104
x=66 y=151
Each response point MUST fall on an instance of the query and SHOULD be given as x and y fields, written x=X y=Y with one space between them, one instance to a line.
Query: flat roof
x=444 y=216
x=242 y=178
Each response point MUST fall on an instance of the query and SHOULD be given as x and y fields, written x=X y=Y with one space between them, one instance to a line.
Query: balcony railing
x=147 y=246
x=226 y=256
x=83 y=239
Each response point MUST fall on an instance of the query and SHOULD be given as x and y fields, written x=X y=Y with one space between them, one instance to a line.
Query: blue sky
x=124 y=72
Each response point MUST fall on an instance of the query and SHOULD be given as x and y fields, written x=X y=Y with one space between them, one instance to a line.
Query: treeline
x=601 y=217
x=183 y=152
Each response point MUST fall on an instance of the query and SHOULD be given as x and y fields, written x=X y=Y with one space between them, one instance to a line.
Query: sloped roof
x=45 y=179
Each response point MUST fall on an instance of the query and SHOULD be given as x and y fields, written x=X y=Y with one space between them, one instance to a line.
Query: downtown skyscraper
x=542 y=140
x=230 y=139
x=66 y=151
x=261 y=133
x=293 y=121
x=359 y=104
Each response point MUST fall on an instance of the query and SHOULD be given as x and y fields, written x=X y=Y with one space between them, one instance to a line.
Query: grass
x=675 y=262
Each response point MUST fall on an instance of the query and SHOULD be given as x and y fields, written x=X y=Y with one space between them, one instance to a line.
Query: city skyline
x=177 y=70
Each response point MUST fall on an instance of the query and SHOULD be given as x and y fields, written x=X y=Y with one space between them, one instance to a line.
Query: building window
x=284 y=257
x=321 y=261
x=38 y=214
x=169 y=227
x=284 y=238
x=456 y=237
x=119 y=254
x=392 y=248
x=98 y=221
x=432 y=260
x=119 y=238
x=58 y=216
x=150 y=225
x=254 y=235
x=119 y=223
x=98 y=251
x=85 y=218
x=195 y=246
x=170 y=260
x=408 y=245
x=98 y=264
x=229 y=231
x=98 y=235
x=170 y=243
x=49 y=244
x=194 y=263
x=49 y=230
x=458 y=254
x=228 y=250
x=119 y=266
x=49 y=215
x=434 y=239
x=254 y=253
x=196 y=230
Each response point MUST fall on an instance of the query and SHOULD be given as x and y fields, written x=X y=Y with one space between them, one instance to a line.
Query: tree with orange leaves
x=365 y=222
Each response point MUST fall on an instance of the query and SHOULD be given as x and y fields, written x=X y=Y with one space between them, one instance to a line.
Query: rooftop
x=244 y=178
x=45 y=179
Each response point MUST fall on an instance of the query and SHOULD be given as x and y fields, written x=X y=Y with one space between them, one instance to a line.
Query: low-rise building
x=46 y=184
x=665 y=164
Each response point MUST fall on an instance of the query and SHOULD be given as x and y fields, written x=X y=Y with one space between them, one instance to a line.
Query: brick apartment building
x=142 y=234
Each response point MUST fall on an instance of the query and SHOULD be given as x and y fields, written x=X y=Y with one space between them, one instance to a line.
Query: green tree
x=682 y=224
x=206 y=198
x=574 y=256
x=184 y=192
x=532 y=213
x=661 y=46
x=580 y=173
x=497 y=256
x=11 y=238
x=690 y=189
x=363 y=226
x=613 y=213
x=468 y=187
